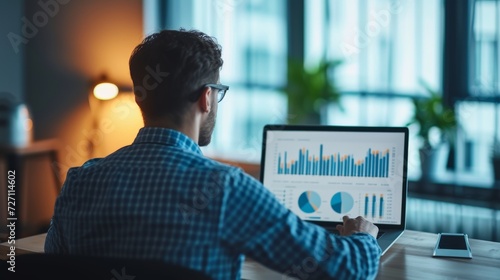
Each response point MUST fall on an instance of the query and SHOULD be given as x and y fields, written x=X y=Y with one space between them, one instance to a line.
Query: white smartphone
x=455 y=245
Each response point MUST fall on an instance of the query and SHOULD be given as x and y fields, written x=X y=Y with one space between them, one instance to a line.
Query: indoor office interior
x=430 y=65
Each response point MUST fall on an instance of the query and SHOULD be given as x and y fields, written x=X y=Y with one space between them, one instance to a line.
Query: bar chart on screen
x=372 y=163
x=377 y=206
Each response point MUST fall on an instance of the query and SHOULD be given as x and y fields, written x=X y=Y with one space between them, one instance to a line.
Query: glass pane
x=479 y=123
x=252 y=35
x=486 y=48
x=386 y=47
x=382 y=43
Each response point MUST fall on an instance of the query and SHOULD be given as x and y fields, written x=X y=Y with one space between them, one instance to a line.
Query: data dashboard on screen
x=324 y=175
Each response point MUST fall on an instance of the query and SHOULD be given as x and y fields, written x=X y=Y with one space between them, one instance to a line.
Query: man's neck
x=191 y=128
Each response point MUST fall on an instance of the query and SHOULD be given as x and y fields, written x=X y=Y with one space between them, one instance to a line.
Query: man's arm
x=257 y=225
x=358 y=225
x=53 y=241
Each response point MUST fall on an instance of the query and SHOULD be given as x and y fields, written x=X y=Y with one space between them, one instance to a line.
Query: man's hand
x=359 y=224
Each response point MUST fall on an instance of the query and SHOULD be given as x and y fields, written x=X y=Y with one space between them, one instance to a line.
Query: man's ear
x=205 y=100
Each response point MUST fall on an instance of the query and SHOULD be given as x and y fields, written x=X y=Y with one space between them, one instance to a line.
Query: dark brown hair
x=169 y=70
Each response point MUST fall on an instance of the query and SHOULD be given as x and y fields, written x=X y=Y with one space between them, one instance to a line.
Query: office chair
x=48 y=266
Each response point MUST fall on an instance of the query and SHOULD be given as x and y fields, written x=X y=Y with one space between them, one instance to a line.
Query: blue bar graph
x=374 y=164
x=381 y=205
x=374 y=201
x=373 y=206
x=366 y=205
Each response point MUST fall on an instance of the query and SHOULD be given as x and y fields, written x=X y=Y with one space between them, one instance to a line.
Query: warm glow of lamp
x=105 y=91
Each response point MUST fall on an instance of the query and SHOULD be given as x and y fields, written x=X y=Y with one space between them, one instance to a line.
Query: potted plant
x=309 y=90
x=433 y=119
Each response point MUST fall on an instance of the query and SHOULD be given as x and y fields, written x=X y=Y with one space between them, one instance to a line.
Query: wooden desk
x=32 y=244
x=409 y=258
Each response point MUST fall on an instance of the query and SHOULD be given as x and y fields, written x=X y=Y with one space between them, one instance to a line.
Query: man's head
x=170 y=70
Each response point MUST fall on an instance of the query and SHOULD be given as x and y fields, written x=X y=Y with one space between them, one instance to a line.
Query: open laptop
x=322 y=173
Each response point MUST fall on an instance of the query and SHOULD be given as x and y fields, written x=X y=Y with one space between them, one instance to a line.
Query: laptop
x=322 y=173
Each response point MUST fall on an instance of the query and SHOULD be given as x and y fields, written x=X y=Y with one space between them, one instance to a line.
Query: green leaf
x=308 y=89
x=430 y=112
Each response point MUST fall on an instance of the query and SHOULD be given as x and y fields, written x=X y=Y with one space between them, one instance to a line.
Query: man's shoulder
x=220 y=166
x=175 y=158
x=224 y=171
x=87 y=164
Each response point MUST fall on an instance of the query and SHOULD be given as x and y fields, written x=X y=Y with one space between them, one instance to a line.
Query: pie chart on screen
x=342 y=202
x=309 y=202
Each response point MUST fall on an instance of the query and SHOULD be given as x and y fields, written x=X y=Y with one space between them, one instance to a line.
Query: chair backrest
x=48 y=266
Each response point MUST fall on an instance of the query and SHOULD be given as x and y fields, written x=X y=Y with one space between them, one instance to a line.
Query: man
x=161 y=198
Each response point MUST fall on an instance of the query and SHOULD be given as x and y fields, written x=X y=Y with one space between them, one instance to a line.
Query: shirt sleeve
x=257 y=225
x=53 y=241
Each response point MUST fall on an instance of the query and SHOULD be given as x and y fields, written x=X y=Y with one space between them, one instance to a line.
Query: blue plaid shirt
x=161 y=198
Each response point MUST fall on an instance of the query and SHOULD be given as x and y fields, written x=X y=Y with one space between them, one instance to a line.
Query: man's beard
x=206 y=130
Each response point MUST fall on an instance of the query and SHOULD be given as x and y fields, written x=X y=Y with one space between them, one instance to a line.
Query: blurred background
x=431 y=65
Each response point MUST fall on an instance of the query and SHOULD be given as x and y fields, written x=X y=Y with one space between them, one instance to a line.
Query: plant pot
x=428 y=159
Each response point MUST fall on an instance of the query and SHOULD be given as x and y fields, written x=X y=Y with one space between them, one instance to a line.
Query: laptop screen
x=322 y=173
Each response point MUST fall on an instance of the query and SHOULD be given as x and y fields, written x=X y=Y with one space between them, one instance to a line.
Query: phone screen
x=456 y=242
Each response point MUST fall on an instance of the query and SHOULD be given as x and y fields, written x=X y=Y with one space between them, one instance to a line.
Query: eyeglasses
x=222 y=90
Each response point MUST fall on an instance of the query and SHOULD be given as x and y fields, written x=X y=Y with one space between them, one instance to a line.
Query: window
x=486 y=46
x=387 y=46
x=479 y=114
x=387 y=49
